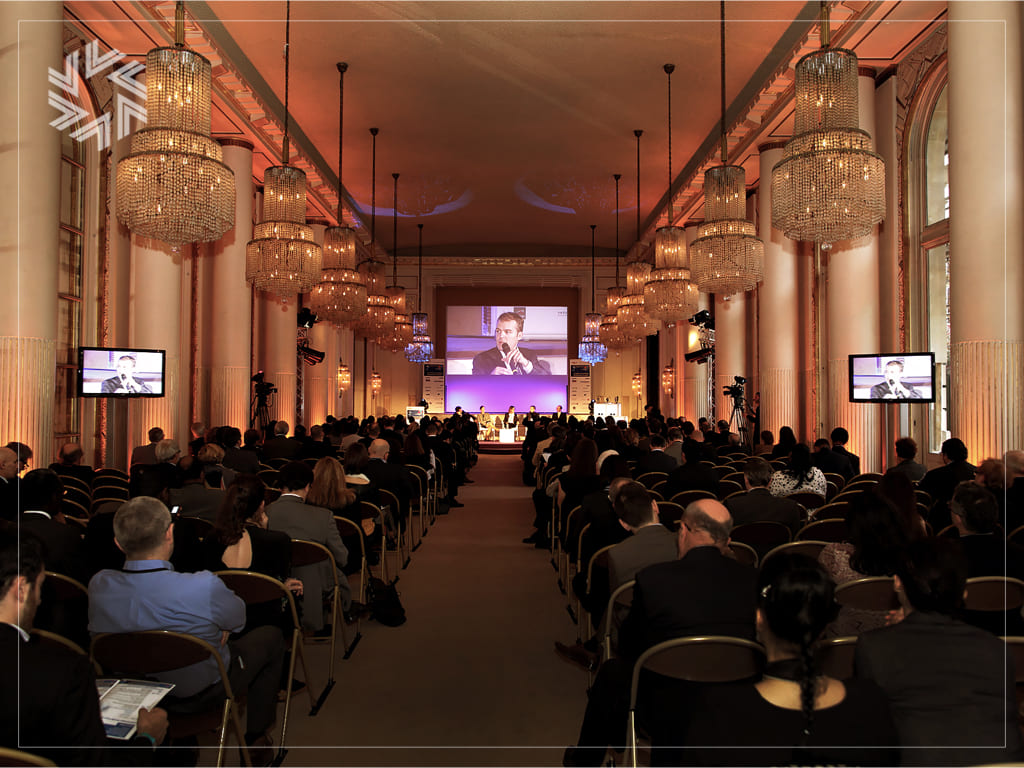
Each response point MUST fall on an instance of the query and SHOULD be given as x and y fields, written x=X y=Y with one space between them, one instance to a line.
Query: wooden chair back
x=808 y=548
x=686 y=497
x=744 y=553
x=650 y=479
x=872 y=593
x=834 y=657
x=994 y=593
x=762 y=535
x=833 y=529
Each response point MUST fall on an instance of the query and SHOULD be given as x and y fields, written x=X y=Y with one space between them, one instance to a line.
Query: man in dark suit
x=650 y=542
x=656 y=460
x=55 y=711
x=906 y=450
x=69 y=464
x=950 y=685
x=146 y=454
x=757 y=504
x=704 y=592
x=827 y=460
x=940 y=482
x=840 y=437
x=291 y=514
x=8 y=484
x=194 y=498
x=280 y=446
x=390 y=477
x=1013 y=461
x=41 y=493
x=236 y=458
x=690 y=475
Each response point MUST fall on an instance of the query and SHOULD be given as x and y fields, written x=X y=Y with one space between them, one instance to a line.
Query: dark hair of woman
x=413 y=446
x=787 y=439
x=899 y=490
x=356 y=458
x=800 y=465
x=584 y=458
x=797 y=601
x=241 y=501
x=879 y=540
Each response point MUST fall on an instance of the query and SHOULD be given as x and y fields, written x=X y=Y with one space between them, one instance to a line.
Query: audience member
x=1013 y=461
x=155 y=479
x=840 y=437
x=827 y=460
x=801 y=475
x=70 y=464
x=794 y=715
x=215 y=474
x=691 y=475
x=146 y=454
x=292 y=515
x=929 y=660
x=906 y=451
x=198 y=430
x=657 y=460
x=8 y=484
x=787 y=440
x=674 y=446
x=41 y=494
x=390 y=477
x=49 y=705
x=939 y=483
x=899 y=490
x=758 y=504
x=147 y=594
x=237 y=458
x=194 y=498
x=767 y=444
x=280 y=446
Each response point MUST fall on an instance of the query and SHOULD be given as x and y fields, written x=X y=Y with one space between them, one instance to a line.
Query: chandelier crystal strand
x=726 y=256
x=669 y=295
x=609 y=333
x=830 y=183
x=421 y=348
x=340 y=296
x=282 y=257
x=400 y=334
x=591 y=349
x=379 y=314
x=173 y=185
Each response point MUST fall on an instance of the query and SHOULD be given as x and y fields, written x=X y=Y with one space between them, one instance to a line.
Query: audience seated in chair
x=690 y=475
x=906 y=451
x=149 y=595
x=939 y=483
x=929 y=660
x=758 y=504
x=146 y=454
x=41 y=493
x=71 y=463
x=795 y=715
x=49 y=705
x=195 y=498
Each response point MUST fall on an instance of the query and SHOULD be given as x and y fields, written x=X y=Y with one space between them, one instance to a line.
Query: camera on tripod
x=263 y=388
x=735 y=391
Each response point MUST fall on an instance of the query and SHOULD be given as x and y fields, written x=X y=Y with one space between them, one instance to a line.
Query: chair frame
x=342 y=523
x=648 y=477
x=235 y=580
x=12 y=757
x=666 y=648
x=796 y=546
x=402 y=551
x=423 y=481
x=589 y=629
x=987 y=601
x=230 y=707
x=738 y=546
x=378 y=514
x=691 y=496
x=875 y=587
x=835 y=656
x=614 y=599
x=766 y=526
x=819 y=525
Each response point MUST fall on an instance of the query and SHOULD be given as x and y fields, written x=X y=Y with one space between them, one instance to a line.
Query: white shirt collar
x=37 y=512
x=22 y=632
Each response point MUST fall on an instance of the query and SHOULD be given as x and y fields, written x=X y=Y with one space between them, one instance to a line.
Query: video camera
x=735 y=391
x=263 y=388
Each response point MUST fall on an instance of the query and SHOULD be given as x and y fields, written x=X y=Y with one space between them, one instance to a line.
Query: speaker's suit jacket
x=949 y=685
x=305 y=521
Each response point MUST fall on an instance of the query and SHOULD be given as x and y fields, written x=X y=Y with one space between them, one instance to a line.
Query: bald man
x=704 y=592
x=390 y=477
x=8 y=484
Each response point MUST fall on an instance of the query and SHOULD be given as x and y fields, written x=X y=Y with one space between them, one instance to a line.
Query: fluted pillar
x=852 y=319
x=232 y=297
x=276 y=356
x=318 y=380
x=730 y=348
x=155 y=308
x=779 y=326
x=29 y=217
x=986 y=204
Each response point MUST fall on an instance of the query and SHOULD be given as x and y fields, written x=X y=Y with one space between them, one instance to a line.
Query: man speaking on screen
x=507 y=358
x=125 y=382
x=893 y=387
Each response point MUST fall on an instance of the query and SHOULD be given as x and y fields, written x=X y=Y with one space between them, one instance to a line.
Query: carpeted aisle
x=471 y=677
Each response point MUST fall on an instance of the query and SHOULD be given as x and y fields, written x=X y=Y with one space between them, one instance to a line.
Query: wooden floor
x=471 y=678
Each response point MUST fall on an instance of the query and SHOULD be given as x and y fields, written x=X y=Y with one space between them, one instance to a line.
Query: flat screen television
x=121 y=372
x=902 y=377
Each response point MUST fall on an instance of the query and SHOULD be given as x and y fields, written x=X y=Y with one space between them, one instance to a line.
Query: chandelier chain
x=287 y=59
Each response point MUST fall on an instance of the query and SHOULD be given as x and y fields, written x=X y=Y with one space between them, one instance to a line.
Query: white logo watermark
x=126 y=107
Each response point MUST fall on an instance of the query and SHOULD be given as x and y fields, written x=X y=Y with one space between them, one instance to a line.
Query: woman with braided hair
x=794 y=715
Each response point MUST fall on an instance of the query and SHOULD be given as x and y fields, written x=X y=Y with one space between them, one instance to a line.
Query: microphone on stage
x=124 y=383
x=505 y=348
x=505 y=351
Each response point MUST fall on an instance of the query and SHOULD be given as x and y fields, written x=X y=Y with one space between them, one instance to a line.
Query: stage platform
x=493 y=446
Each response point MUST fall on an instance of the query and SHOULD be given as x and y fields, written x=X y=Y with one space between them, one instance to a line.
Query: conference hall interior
x=618 y=383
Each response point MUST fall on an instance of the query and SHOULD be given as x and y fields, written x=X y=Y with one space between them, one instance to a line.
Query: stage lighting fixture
x=309 y=355
x=306 y=318
x=700 y=356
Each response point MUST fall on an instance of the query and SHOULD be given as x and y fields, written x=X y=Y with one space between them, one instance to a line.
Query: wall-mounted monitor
x=501 y=355
x=902 y=377
x=120 y=372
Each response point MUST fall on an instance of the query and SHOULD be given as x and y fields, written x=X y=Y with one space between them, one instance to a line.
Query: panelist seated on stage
x=507 y=358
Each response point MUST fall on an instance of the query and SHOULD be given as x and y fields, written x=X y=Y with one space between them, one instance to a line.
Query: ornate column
x=730 y=348
x=852 y=319
x=319 y=380
x=229 y=337
x=276 y=355
x=156 y=312
x=29 y=220
x=779 y=327
x=986 y=172
x=693 y=380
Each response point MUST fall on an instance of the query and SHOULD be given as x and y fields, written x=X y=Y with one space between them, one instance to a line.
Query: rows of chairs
x=82 y=500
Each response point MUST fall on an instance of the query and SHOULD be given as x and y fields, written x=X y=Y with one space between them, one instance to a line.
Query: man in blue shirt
x=148 y=594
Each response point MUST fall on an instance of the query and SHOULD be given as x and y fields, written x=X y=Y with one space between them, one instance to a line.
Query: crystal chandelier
x=830 y=183
x=173 y=185
x=632 y=320
x=669 y=295
x=344 y=378
x=591 y=349
x=609 y=333
x=727 y=256
x=637 y=384
x=668 y=377
x=375 y=384
x=421 y=348
x=340 y=296
x=282 y=258
x=379 y=316
x=400 y=333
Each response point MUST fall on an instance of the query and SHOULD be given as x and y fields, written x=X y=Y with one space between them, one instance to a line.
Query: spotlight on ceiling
x=306 y=318
x=703 y=319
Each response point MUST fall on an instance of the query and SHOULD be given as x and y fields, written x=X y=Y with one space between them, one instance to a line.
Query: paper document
x=121 y=700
